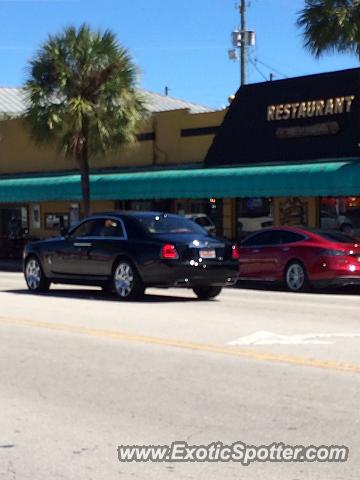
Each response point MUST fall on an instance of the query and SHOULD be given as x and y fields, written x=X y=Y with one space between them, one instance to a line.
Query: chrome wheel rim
x=123 y=279
x=295 y=277
x=33 y=274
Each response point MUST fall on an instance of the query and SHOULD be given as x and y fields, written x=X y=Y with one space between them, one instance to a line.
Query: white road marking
x=268 y=338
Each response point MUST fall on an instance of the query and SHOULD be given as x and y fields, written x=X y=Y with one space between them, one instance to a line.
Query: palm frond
x=331 y=26
x=80 y=75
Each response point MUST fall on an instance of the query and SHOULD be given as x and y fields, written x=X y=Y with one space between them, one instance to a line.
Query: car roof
x=309 y=232
x=285 y=228
x=299 y=230
x=131 y=213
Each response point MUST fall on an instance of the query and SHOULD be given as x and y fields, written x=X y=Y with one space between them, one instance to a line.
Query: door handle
x=256 y=250
x=82 y=244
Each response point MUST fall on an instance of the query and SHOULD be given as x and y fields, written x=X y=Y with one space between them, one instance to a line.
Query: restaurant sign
x=296 y=119
x=309 y=109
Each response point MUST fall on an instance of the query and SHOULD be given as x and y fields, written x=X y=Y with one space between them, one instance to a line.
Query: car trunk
x=204 y=248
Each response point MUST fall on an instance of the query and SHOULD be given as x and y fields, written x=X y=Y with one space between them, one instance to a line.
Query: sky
x=182 y=45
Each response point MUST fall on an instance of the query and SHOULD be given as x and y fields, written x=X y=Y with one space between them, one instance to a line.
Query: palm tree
x=331 y=26
x=82 y=97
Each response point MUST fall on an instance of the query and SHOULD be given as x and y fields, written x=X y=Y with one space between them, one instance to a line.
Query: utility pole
x=242 y=7
x=241 y=40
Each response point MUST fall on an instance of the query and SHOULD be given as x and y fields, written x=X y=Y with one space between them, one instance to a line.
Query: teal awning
x=310 y=179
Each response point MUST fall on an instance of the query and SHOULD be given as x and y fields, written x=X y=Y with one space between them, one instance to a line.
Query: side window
x=263 y=239
x=109 y=227
x=84 y=230
x=272 y=238
x=257 y=239
x=290 y=237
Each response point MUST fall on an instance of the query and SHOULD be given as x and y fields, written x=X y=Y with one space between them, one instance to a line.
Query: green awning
x=310 y=179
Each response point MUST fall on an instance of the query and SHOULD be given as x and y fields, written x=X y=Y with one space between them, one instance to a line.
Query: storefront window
x=340 y=213
x=253 y=213
x=187 y=206
x=14 y=229
x=148 y=205
x=14 y=222
x=56 y=221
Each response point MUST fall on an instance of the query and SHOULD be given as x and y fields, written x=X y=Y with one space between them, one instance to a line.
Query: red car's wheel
x=295 y=278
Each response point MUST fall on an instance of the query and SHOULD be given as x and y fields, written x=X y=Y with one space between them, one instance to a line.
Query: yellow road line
x=183 y=344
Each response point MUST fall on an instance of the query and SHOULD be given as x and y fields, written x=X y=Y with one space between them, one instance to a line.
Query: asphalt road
x=81 y=373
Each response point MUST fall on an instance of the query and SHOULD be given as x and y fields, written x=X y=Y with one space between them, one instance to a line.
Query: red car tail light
x=169 y=252
x=235 y=253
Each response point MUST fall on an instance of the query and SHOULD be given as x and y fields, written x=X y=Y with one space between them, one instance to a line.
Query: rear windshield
x=159 y=224
x=337 y=237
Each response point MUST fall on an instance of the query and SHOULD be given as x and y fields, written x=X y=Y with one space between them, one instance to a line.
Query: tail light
x=169 y=252
x=235 y=252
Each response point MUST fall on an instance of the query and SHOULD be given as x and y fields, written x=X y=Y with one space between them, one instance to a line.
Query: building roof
x=162 y=103
x=13 y=102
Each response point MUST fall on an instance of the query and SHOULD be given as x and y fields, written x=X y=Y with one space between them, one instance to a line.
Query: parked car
x=127 y=252
x=349 y=224
x=300 y=258
x=252 y=224
x=204 y=221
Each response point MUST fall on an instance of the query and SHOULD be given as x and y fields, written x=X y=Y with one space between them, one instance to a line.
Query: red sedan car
x=300 y=258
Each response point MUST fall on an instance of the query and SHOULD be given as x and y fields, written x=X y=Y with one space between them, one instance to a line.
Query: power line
x=271 y=68
x=257 y=69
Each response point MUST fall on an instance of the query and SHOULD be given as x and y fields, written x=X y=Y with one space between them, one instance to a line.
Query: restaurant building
x=285 y=152
x=295 y=144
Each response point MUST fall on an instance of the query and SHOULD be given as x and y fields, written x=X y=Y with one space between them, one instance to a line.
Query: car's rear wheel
x=127 y=282
x=34 y=275
x=206 y=293
x=295 y=278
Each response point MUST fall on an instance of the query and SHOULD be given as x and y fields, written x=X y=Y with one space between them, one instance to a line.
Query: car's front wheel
x=34 y=276
x=126 y=281
x=206 y=293
x=296 y=279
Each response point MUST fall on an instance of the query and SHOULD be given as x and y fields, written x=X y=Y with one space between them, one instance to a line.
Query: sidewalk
x=10 y=265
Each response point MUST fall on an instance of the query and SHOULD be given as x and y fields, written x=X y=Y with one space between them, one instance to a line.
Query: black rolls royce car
x=125 y=252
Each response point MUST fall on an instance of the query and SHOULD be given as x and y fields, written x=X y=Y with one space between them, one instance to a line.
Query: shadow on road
x=273 y=287
x=98 y=295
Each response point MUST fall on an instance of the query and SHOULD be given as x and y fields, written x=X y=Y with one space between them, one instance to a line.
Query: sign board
x=298 y=119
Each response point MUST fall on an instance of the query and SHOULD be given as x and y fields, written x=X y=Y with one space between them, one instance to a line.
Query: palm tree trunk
x=85 y=170
x=85 y=183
